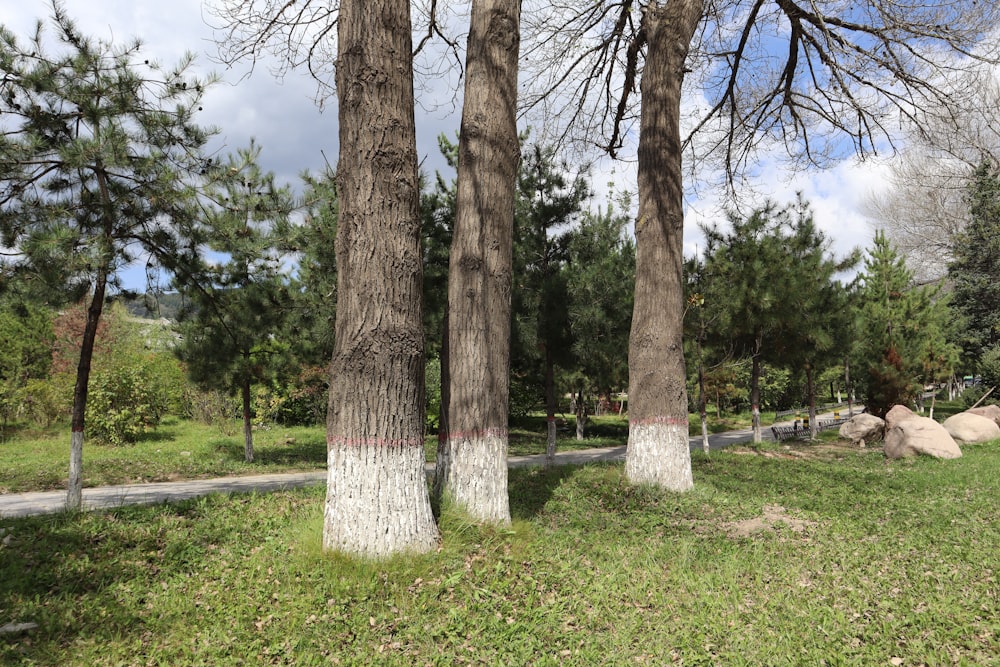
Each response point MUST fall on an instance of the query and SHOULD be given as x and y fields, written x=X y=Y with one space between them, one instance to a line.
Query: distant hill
x=155 y=305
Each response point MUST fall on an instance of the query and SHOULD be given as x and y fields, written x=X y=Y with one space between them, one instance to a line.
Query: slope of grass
x=831 y=558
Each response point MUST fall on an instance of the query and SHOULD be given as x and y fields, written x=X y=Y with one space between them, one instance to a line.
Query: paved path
x=104 y=497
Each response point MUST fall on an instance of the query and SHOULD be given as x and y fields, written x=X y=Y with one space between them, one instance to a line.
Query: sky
x=296 y=135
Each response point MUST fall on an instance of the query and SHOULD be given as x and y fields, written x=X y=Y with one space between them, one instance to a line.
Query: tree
x=752 y=280
x=812 y=78
x=377 y=499
x=97 y=158
x=899 y=320
x=548 y=200
x=975 y=268
x=25 y=351
x=230 y=339
x=472 y=459
x=926 y=204
x=601 y=273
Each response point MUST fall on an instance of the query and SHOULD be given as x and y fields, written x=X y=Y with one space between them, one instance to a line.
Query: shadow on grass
x=55 y=565
x=531 y=488
x=301 y=450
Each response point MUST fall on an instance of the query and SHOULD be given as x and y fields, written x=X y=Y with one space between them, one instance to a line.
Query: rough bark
x=74 y=496
x=472 y=461
x=377 y=499
x=247 y=422
x=550 y=408
x=755 y=372
x=811 y=393
x=658 y=450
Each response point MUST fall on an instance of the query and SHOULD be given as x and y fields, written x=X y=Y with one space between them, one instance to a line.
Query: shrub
x=120 y=405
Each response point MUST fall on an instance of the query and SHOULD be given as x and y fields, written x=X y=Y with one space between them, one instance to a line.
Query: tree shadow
x=282 y=452
x=55 y=563
x=530 y=488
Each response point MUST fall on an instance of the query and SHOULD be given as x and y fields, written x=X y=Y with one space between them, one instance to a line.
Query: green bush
x=120 y=405
x=214 y=408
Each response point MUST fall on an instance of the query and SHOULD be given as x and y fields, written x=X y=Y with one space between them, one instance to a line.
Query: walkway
x=105 y=497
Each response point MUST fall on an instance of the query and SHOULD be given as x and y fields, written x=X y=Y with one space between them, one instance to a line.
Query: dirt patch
x=771 y=516
x=814 y=451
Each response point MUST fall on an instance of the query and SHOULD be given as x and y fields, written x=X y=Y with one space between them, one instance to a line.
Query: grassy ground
x=180 y=449
x=810 y=554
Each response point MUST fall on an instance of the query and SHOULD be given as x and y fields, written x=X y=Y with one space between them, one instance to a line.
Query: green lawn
x=808 y=556
x=180 y=449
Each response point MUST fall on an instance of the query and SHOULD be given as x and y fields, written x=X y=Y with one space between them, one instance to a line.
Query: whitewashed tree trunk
x=377 y=500
x=472 y=460
x=658 y=451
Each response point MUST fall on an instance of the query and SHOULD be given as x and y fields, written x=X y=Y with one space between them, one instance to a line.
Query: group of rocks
x=905 y=433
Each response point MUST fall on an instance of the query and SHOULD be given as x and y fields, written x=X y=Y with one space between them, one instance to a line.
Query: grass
x=181 y=449
x=828 y=556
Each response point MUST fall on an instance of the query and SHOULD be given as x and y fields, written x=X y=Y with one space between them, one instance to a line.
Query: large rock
x=861 y=428
x=967 y=428
x=988 y=411
x=920 y=435
x=897 y=414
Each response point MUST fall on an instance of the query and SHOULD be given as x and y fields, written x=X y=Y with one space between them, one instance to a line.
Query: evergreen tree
x=548 y=201
x=975 y=270
x=601 y=274
x=97 y=160
x=902 y=325
x=231 y=336
x=750 y=277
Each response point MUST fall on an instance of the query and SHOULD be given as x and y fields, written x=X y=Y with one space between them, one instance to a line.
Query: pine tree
x=231 y=339
x=548 y=200
x=899 y=321
x=98 y=157
x=975 y=270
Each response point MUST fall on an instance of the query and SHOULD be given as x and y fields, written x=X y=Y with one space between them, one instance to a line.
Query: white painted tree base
x=472 y=473
x=377 y=502
x=659 y=454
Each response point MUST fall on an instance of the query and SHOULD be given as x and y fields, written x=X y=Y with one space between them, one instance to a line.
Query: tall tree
x=601 y=273
x=975 y=269
x=377 y=498
x=230 y=338
x=548 y=201
x=472 y=459
x=925 y=203
x=899 y=320
x=812 y=78
x=97 y=158
x=751 y=277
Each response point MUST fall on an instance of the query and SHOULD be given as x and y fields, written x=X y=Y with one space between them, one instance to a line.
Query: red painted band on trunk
x=76 y=429
x=551 y=419
x=651 y=421
x=483 y=433
x=340 y=441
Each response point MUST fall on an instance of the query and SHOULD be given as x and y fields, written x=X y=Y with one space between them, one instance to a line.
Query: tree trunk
x=581 y=416
x=755 y=371
x=74 y=496
x=472 y=465
x=377 y=500
x=658 y=450
x=247 y=422
x=811 y=393
x=550 y=408
x=702 y=403
x=849 y=388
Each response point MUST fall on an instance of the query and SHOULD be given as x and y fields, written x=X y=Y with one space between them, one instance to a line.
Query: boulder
x=919 y=435
x=988 y=411
x=967 y=428
x=897 y=414
x=861 y=428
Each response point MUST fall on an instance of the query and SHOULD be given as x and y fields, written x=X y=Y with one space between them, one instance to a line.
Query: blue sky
x=295 y=135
